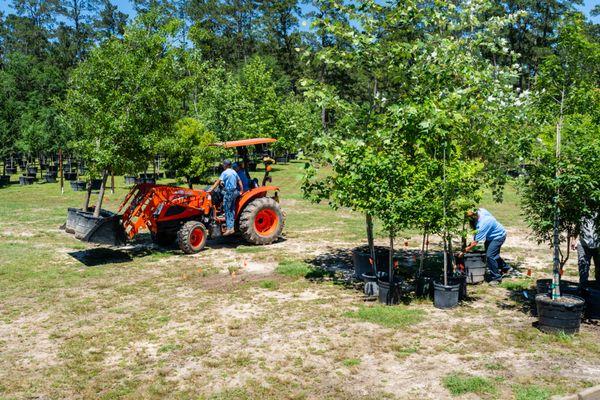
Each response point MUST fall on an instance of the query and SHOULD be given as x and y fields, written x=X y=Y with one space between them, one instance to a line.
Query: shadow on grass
x=521 y=293
x=335 y=266
x=142 y=246
x=101 y=256
x=234 y=241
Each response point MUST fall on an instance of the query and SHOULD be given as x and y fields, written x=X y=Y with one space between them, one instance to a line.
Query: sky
x=126 y=7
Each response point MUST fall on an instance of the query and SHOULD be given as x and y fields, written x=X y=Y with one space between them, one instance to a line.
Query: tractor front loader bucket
x=106 y=229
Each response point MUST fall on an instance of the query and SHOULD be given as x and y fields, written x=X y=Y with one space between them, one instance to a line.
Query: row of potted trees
x=443 y=122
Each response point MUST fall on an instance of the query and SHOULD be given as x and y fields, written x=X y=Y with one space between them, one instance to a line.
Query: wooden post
x=112 y=182
x=369 y=222
x=422 y=251
x=445 y=260
x=101 y=194
x=88 y=195
x=60 y=172
x=391 y=261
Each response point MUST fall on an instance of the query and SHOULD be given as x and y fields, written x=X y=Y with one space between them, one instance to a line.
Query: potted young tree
x=441 y=91
x=562 y=185
x=131 y=83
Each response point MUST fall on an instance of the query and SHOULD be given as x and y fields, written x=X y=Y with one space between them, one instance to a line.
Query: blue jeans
x=229 y=207
x=495 y=263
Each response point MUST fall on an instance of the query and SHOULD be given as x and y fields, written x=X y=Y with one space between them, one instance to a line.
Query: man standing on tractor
x=243 y=175
x=232 y=186
x=489 y=230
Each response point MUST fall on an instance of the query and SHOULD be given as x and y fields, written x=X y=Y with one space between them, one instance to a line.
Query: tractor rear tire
x=261 y=221
x=163 y=238
x=192 y=237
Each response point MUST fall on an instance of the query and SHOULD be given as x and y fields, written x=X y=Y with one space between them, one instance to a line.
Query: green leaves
x=567 y=101
x=123 y=99
x=423 y=88
x=188 y=149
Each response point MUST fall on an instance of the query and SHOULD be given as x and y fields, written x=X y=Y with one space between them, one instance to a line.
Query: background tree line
x=239 y=65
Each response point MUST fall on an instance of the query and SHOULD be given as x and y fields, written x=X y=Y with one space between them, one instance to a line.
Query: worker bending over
x=488 y=229
x=232 y=186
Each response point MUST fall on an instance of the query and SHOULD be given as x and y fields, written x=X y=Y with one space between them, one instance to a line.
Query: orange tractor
x=187 y=216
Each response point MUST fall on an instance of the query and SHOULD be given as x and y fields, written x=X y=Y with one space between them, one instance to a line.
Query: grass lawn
x=245 y=322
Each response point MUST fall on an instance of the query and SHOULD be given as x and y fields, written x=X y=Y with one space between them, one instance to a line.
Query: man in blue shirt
x=493 y=234
x=232 y=186
x=242 y=174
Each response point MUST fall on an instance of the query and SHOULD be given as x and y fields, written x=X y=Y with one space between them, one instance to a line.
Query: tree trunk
x=88 y=195
x=369 y=222
x=189 y=182
x=445 y=260
x=422 y=252
x=112 y=182
x=60 y=172
x=391 y=261
x=556 y=238
x=101 y=194
x=451 y=252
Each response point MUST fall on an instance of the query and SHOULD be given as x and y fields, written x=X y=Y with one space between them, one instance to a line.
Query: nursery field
x=274 y=322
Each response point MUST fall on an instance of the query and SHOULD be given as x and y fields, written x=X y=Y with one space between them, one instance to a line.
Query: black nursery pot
x=371 y=288
x=591 y=295
x=424 y=286
x=361 y=260
x=130 y=180
x=96 y=184
x=460 y=280
x=561 y=315
x=145 y=180
x=4 y=180
x=566 y=287
x=11 y=170
x=445 y=296
x=70 y=176
x=475 y=267
x=32 y=170
x=50 y=178
x=78 y=186
x=26 y=180
x=389 y=294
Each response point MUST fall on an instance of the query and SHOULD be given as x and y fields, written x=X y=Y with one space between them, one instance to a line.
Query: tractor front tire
x=192 y=237
x=261 y=221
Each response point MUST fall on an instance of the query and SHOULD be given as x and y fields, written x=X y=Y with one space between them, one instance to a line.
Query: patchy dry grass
x=390 y=317
x=244 y=322
x=459 y=384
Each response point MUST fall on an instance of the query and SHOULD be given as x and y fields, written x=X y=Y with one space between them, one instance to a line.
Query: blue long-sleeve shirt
x=488 y=228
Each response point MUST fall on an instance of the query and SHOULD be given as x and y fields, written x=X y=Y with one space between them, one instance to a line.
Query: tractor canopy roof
x=245 y=142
